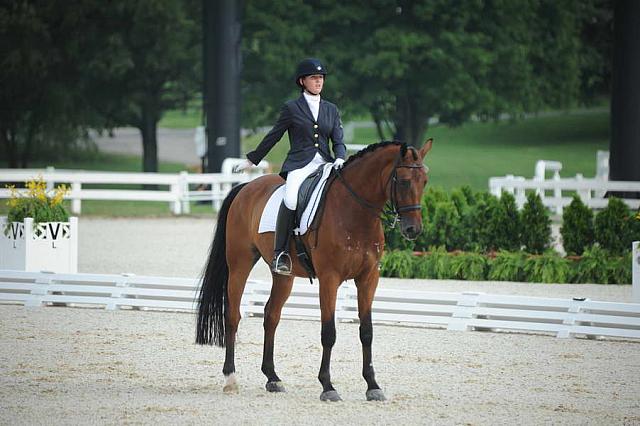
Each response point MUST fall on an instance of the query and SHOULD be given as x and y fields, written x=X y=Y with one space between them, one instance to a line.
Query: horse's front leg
x=366 y=290
x=328 y=293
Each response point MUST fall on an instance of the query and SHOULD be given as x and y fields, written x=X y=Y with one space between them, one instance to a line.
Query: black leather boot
x=284 y=226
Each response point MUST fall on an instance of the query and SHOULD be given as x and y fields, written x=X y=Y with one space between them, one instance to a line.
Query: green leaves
x=577 y=227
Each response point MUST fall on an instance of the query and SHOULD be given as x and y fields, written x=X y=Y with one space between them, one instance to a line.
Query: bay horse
x=348 y=244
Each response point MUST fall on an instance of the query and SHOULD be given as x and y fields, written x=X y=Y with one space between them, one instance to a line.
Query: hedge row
x=596 y=265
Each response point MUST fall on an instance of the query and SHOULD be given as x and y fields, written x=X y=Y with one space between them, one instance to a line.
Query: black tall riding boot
x=284 y=226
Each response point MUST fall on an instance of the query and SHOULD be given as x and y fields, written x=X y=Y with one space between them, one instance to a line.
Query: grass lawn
x=471 y=154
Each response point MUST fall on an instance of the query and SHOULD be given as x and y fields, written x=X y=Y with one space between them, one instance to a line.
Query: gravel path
x=79 y=366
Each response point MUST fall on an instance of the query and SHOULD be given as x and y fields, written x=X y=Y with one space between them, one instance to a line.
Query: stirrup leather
x=282 y=264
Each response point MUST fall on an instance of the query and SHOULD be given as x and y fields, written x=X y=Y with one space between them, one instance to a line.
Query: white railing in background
x=178 y=189
x=453 y=311
x=635 y=271
x=556 y=192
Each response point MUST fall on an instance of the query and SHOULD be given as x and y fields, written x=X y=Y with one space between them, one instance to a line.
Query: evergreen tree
x=536 y=225
x=577 y=227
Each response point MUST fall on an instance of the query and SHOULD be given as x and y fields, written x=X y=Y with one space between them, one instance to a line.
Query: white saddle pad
x=270 y=212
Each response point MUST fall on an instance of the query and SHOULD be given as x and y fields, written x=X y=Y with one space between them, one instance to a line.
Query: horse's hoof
x=375 y=395
x=331 y=395
x=231 y=386
x=275 y=387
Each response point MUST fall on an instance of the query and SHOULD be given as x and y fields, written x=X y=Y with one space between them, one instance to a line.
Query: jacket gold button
x=316 y=145
x=315 y=126
x=315 y=135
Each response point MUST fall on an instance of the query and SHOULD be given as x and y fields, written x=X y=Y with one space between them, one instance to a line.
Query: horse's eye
x=404 y=183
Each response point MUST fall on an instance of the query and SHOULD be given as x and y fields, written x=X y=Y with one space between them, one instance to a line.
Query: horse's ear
x=426 y=147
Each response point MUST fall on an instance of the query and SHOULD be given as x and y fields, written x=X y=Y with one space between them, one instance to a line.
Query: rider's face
x=313 y=83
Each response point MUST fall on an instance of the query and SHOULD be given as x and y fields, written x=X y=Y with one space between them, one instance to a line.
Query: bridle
x=393 y=197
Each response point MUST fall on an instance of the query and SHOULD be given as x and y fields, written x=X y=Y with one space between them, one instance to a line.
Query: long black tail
x=212 y=301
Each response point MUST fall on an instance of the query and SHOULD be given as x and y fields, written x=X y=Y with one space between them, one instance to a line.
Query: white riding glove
x=242 y=166
x=338 y=163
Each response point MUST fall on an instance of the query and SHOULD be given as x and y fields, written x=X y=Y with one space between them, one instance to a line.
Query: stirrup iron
x=285 y=267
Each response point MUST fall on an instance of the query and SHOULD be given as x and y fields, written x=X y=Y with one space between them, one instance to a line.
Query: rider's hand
x=338 y=163
x=242 y=166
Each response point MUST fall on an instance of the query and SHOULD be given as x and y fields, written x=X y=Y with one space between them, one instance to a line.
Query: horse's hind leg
x=279 y=293
x=240 y=265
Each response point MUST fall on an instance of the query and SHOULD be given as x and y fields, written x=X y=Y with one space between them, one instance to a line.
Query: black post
x=222 y=63
x=624 y=148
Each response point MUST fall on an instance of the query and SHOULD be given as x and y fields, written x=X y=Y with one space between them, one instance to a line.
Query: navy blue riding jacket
x=306 y=135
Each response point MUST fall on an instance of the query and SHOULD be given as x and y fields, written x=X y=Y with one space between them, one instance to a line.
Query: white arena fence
x=557 y=193
x=453 y=311
x=178 y=189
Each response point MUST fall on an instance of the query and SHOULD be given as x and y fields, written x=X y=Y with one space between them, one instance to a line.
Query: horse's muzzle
x=410 y=232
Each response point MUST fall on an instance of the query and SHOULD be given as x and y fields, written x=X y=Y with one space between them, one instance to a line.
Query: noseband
x=393 y=180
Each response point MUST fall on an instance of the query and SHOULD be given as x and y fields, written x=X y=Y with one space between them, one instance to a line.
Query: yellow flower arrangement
x=37 y=203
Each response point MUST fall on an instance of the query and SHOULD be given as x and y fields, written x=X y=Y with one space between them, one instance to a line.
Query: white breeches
x=295 y=179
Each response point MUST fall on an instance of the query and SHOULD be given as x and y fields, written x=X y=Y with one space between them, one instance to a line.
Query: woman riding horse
x=311 y=122
x=347 y=241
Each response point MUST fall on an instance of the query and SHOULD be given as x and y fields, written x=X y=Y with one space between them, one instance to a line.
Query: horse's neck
x=370 y=175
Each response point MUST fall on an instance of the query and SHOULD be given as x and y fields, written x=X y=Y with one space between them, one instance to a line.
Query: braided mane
x=373 y=147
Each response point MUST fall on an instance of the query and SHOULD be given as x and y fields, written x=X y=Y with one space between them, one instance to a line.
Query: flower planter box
x=49 y=246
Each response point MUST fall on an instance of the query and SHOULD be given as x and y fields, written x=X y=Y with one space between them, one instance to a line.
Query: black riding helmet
x=309 y=66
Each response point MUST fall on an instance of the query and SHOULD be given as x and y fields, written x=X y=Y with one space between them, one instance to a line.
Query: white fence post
x=76 y=203
x=73 y=245
x=50 y=170
x=176 y=192
x=184 y=185
x=635 y=271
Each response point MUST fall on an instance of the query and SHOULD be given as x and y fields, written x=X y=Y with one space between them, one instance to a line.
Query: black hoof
x=331 y=395
x=275 y=387
x=375 y=395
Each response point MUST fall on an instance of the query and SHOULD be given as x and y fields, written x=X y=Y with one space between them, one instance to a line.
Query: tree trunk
x=378 y=122
x=624 y=159
x=148 y=129
x=410 y=124
x=28 y=144
x=9 y=146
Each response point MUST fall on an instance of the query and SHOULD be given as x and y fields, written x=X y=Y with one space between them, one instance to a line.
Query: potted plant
x=38 y=234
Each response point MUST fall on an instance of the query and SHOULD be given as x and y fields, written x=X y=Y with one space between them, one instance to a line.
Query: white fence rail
x=556 y=192
x=178 y=189
x=454 y=311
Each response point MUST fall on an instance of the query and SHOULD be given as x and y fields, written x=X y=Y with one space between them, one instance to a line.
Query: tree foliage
x=68 y=66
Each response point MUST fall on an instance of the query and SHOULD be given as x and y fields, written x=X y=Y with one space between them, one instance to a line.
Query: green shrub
x=481 y=218
x=459 y=200
x=614 y=227
x=619 y=270
x=430 y=199
x=599 y=266
x=469 y=266
x=505 y=224
x=592 y=266
x=577 y=227
x=397 y=263
x=434 y=265
x=444 y=228
x=536 y=225
x=508 y=266
x=548 y=267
